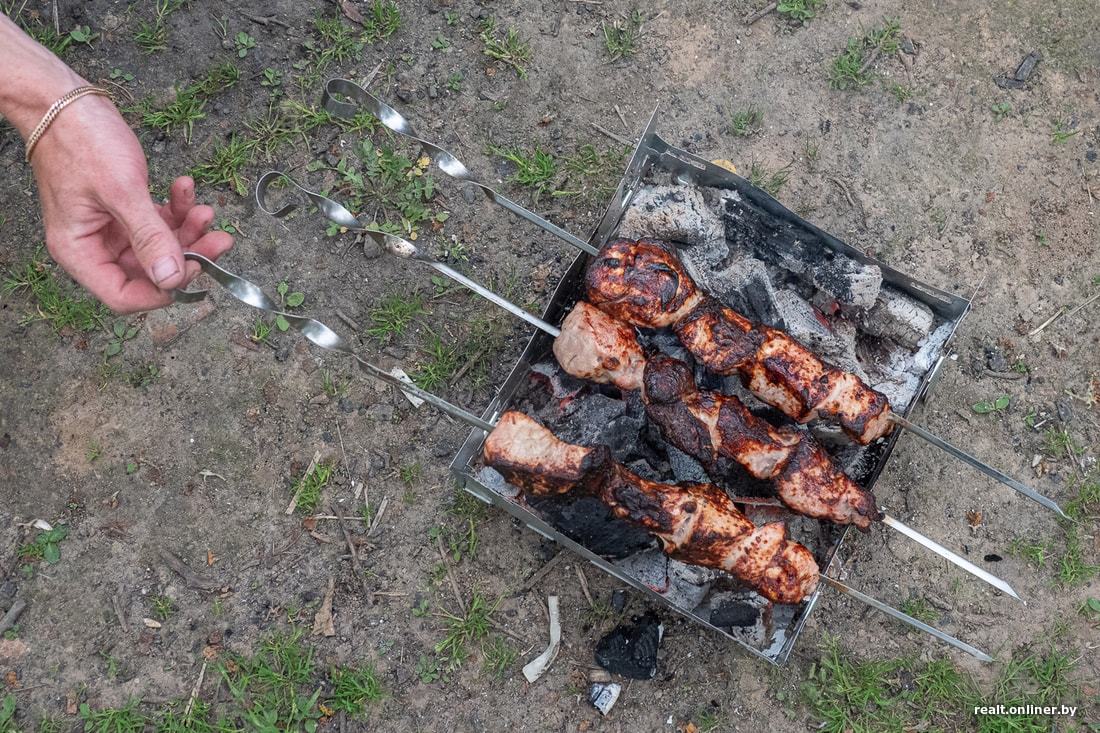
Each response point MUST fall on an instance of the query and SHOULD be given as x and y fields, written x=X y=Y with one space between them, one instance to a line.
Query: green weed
x=1071 y=566
x=800 y=10
x=508 y=49
x=440 y=363
x=60 y=305
x=308 y=488
x=153 y=36
x=1058 y=443
x=243 y=43
x=46 y=546
x=163 y=607
x=382 y=20
x=769 y=181
x=621 y=37
x=7 y=715
x=1035 y=553
x=395 y=314
x=920 y=609
x=464 y=629
x=860 y=697
x=354 y=688
x=126 y=719
x=1062 y=132
x=851 y=69
x=274 y=689
x=497 y=656
x=410 y=473
x=746 y=122
x=1000 y=110
x=225 y=164
x=987 y=406
x=534 y=169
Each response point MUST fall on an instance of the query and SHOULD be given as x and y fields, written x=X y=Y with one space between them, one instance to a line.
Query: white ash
x=676 y=214
x=898 y=317
x=681 y=584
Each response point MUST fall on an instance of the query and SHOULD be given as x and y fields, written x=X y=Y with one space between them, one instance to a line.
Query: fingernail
x=165 y=268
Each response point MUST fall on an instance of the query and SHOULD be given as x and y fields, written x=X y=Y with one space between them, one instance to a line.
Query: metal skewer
x=446 y=161
x=391 y=243
x=978 y=464
x=321 y=335
x=906 y=618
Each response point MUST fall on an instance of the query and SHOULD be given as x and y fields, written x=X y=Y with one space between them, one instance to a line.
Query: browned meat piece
x=708 y=425
x=528 y=455
x=645 y=284
x=599 y=348
x=641 y=283
x=812 y=485
x=695 y=523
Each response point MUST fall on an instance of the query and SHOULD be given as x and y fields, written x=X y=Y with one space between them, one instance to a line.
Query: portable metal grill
x=654 y=156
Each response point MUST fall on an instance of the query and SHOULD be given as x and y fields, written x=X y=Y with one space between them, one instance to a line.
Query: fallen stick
x=191 y=579
x=616 y=137
x=12 y=615
x=302 y=484
x=770 y=7
x=539 y=574
x=354 y=554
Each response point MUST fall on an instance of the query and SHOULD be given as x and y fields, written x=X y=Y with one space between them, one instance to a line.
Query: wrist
x=31 y=78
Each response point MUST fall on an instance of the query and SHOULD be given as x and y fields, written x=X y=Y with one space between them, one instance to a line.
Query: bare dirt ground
x=193 y=445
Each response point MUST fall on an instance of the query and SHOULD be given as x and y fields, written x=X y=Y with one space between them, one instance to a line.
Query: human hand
x=101 y=223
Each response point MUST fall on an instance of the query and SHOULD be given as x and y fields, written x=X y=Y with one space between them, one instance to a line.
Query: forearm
x=31 y=78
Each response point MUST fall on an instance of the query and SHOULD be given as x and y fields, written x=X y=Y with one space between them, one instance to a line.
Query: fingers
x=121 y=285
x=212 y=245
x=195 y=225
x=152 y=240
x=181 y=200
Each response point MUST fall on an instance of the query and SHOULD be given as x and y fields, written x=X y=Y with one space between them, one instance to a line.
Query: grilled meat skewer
x=696 y=523
x=709 y=425
x=644 y=284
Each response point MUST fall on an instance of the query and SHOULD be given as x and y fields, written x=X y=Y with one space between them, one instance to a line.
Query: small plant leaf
x=282 y=288
x=1094 y=605
x=114 y=348
x=1002 y=402
x=295 y=299
x=281 y=323
x=119 y=328
x=131 y=332
x=51 y=553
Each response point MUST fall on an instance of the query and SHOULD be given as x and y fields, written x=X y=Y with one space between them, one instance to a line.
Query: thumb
x=155 y=245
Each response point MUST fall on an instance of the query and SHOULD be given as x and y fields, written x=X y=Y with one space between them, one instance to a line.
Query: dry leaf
x=150 y=623
x=209 y=653
x=351 y=12
x=727 y=164
x=11 y=679
x=974 y=518
x=211 y=558
x=71 y=703
x=322 y=622
x=309 y=523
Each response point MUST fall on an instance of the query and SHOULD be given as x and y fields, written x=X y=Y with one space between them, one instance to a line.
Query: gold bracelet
x=55 y=109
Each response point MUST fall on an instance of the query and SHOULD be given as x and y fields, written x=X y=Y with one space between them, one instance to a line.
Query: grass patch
x=226 y=163
x=60 y=304
x=767 y=180
x=621 y=37
x=1071 y=567
x=1035 y=553
x=464 y=629
x=190 y=103
x=382 y=20
x=507 y=48
x=746 y=122
x=852 y=68
x=920 y=609
x=497 y=656
x=800 y=10
x=534 y=168
x=152 y=36
x=274 y=690
x=1058 y=443
x=441 y=362
x=395 y=314
x=308 y=488
x=353 y=689
x=398 y=188
x=902 y=694
x=1062 y=132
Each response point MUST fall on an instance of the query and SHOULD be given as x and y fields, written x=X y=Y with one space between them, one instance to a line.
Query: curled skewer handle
x=978 y=464
x=447 y=162
x=317 y=333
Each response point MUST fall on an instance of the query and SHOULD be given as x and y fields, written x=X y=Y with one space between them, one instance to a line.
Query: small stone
x=321 y=399
x=469 y=194
x=283 y=352
x=371 y=249
x=995 y=360
x=433 y=91
x=406 y=95
x=1090 y=155
x=1065 y=411
x=150 y=623
x=618 y=600
x=346 y=405
x=599 y=675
